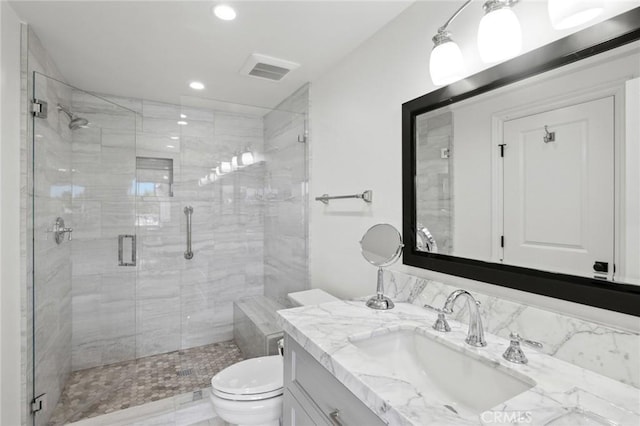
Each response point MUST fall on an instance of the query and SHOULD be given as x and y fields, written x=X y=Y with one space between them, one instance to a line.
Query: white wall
x=631 y=250
x=356 y=140
x=10 y=390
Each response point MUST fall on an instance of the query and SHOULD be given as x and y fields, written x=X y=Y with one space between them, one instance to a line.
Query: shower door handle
x=121 y=261
x=188 y=254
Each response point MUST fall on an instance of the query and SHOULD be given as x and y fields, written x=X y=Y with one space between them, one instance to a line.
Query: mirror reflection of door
x=558 y=194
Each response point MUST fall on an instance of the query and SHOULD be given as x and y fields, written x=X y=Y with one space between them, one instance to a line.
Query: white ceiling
x=153 y=49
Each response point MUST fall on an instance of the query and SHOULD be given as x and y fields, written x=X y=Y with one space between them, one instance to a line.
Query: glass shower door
x=83 y=257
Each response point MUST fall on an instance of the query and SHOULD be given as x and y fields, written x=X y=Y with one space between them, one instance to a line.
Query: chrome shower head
x=75 y=122
x=78 y=122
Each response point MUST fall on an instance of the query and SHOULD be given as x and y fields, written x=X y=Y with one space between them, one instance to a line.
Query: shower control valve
x=59 y=230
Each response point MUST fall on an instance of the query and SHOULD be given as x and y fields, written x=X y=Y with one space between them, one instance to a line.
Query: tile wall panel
x=103 y=297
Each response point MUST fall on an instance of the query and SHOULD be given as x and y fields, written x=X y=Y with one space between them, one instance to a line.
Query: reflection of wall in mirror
x=630 y=271
x=477 y=157
x=434 y=135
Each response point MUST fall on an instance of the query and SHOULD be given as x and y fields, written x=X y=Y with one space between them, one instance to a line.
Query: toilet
x=250 y=391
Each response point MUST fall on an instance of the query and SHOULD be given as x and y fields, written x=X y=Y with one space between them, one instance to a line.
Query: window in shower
x=154 y=177
x=154 y=181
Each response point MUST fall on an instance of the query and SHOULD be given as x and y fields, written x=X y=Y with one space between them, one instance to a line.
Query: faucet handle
x=441 y=323
x=433 y=308
x=514 y=352
x=515 y=336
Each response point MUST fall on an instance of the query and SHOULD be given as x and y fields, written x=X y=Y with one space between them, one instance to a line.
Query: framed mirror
x=525 y=175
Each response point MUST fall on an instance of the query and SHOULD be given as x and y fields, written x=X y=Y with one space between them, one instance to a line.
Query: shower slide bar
x=188 y=254
x=366 y=196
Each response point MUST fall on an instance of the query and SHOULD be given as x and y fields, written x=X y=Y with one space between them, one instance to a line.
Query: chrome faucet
x=475 y=335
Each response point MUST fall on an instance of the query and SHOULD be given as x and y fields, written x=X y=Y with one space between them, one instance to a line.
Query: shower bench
x=255 y=326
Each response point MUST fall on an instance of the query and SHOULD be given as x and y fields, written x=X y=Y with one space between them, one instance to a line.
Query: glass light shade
x=225 y=167
x=571 y=13
x=499 y=35
x=446 y=64
x=234 y=162
x=247 y=158
x=224 y=12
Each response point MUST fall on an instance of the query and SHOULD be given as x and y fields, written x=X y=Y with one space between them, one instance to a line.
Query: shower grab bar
x=121 y=261
x=366 y=196
x=188 y=254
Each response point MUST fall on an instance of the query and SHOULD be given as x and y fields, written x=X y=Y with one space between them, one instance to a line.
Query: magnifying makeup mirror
x=381 y=246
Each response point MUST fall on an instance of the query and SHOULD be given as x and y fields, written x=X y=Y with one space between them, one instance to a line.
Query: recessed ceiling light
x=183 y=115
x=224 y=12
x=196 y=85
x=174 y=138
x=182 y=123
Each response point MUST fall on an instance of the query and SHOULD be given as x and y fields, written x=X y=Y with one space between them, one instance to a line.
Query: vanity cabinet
x=312 y=396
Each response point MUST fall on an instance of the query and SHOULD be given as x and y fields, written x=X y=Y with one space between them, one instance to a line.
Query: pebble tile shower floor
x=109 y=388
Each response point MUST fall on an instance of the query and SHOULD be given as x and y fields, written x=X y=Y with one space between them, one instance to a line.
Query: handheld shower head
x=75 y=122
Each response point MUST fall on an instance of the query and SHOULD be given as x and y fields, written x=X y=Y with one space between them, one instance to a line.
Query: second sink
x=460 y=380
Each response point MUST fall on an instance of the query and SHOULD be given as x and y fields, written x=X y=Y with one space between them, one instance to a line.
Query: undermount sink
x=460 y=380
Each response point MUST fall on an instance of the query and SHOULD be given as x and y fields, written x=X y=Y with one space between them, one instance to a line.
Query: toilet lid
x=250 y=377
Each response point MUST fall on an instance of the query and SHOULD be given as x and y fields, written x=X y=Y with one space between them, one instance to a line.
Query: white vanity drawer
x=307 y=379
x=296 y=413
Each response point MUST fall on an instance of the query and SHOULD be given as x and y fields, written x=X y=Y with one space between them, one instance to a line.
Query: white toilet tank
x=310 y=297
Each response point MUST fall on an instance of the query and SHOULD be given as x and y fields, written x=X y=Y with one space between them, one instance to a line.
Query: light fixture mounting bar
x=454 y=16
x=491 y=5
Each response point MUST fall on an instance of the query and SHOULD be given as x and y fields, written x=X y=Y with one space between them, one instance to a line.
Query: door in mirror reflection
x=558 y=180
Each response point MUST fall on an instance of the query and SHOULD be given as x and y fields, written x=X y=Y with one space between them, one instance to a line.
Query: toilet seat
x=250 y=380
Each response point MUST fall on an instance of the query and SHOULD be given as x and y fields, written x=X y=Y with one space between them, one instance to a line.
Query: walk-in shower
x=121 y=296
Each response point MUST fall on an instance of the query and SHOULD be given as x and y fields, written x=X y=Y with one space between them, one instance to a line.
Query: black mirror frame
x=612 y=33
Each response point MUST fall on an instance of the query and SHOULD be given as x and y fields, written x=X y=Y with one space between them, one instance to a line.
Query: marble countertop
x=561 y=390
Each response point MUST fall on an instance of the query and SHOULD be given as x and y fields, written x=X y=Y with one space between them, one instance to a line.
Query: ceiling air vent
x=267 y=67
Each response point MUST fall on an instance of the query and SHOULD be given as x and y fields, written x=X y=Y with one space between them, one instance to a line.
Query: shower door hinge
x=502 y=241
x=39 y=108
x=502 y=145
x=38 y=403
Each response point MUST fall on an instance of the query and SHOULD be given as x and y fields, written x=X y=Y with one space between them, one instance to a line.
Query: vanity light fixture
x=499 y=33
x=224 y=12
x=499 y=38
x=571 y=13
x=446 y=64
x=234 y=163
x=246 y=158
x=225 y=167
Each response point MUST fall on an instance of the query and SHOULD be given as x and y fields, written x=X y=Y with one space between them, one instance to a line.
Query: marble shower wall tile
x=286 y=267
x=433 y=177
x=166 y=303
x=605 y=350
